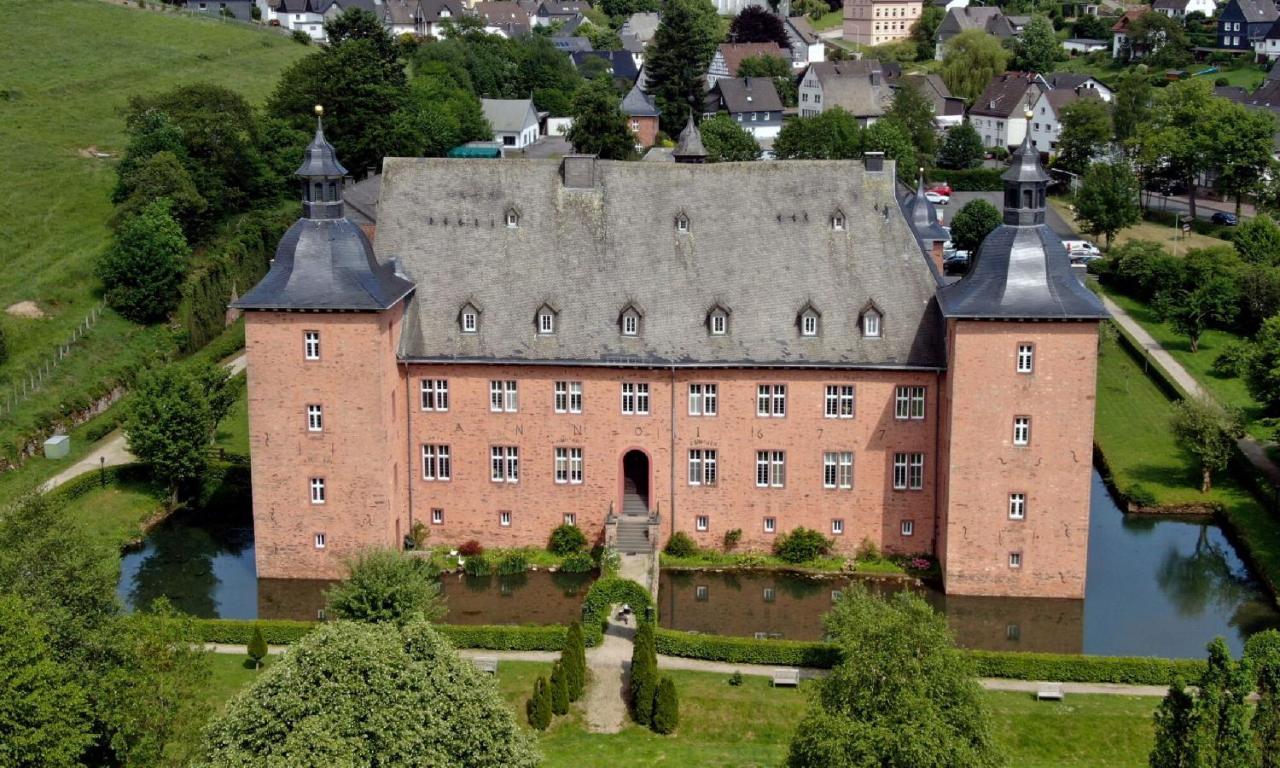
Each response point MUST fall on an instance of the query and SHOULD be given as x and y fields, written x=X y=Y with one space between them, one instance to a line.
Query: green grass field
x=69 y=69
x=1245 y=75
x=749 y=726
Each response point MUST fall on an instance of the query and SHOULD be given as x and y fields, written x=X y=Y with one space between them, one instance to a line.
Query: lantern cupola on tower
x=322 y=176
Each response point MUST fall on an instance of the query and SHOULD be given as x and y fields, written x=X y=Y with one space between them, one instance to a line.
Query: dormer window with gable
x=838 y=221
x=513 y=218
x=469 y=318
x=809 y=320
x=871 y=323
x=629 y=321
x=682 y=223
x=718 y=321
x=546 y=319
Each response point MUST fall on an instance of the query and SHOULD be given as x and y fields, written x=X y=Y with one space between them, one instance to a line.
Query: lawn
x=828 y=20
x=70 y=67
x=749 y=725
x=114 y=513
x=1172 y=239
x=233 y=431
x=1245 y=75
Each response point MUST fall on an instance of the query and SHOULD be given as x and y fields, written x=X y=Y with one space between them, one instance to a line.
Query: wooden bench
x=789 y=676
x=487 y=664
x=1050 y=692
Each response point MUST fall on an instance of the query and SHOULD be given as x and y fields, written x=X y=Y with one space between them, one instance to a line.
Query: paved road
x=958 y=200
x=1204 y=208
x=113 y=450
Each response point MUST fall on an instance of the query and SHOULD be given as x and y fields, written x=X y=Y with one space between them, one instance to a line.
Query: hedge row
x=240 y=631
x=503 y=638
x=89 y=481
x=971 y=180
x=604 y=593
x=746 y=650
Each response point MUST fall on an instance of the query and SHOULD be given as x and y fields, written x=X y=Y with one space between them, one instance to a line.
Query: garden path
x=1252 y=449
x=605 y=703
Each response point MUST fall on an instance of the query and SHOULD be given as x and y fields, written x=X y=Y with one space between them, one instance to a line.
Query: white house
x=1082 y=45
x=1178 y=9
x=1268 y=47
x=298 y=15
x=514 y=121
x=1073 y=81
x=806 y=45
x=1046 y=116
x=999 y=114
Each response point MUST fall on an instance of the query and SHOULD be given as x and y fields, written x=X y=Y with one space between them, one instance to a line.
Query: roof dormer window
x=809 y=320
x=469 y=318
x=871 y=323
x=718 y=321
x=629 y=321
x=838 y=221
x=546 y=320
x=682 y=223
x=513 y=218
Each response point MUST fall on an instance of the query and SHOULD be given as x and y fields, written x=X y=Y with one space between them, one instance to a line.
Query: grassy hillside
x=69 y=67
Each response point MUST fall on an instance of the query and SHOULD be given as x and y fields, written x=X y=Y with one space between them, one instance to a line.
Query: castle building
x=687 y=347
x=876 y=22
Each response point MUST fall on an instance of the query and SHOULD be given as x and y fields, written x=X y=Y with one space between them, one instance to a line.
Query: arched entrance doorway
x=635 y=483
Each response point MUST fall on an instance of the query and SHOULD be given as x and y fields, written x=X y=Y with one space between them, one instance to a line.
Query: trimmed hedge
x=502 y=638
x=240 y=631
x=970 y=180
x=746 y=650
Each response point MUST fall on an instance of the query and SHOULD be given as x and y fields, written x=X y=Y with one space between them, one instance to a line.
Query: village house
x=1121 y=46
x=1178 y=9
x=612 y=345
x=806 y=46
x=729 y=55
x=862 y=88
x=752 y=102
x=987 y=19
x=435 y=13
x=1243 y=23
x=514 y=121
x=1046 y=119
x=549 y=13
x=999 y=114
x=875 y=22
x=503 y=18
x=948 y=110
x=240 y=10
x=1075 y=81
x=642 y=116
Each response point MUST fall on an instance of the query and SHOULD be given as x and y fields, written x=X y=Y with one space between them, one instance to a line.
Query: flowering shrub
x=471 y=548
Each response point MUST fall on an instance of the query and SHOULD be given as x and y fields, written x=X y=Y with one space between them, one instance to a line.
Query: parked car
x=955 y=258
x=942 y=189
x=935 y=198
x=1224 y=218
x=1082 y=248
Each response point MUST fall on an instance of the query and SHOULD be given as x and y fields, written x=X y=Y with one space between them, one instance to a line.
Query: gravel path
x=605 y=703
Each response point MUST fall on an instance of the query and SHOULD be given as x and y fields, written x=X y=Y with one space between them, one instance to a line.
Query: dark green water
x=1155 y=588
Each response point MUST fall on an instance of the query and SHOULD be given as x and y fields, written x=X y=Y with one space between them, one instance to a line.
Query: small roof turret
x=922 y=216
x=689 y=148
x=1024 y=166
x=320 y=159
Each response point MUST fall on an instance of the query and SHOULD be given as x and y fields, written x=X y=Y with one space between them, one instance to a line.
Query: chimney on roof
x=874 y=161
x=875 y=77
x=578 y=171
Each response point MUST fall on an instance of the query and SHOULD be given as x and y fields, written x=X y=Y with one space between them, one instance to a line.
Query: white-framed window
x=435 y=394
x=568 y=397
x=1021 y=430
x=513 y=219
x=437 y=517
x=504 y=464
x=546 y=322
x=317 y=490
x=319 y=541
x=702 y=523
x=719 y=324
x=1017 y=506
x=635 y=398
x=771 y=525
x=871 y=324
x=630 y=323
x=839 y=401
x=703 y=399
x=769 y=594
x=504 y=396
x=837 y=221
x=771 y=469
x=837 y=469
x=315 y=418
x=311 y=345
x=809 y=323
x=1015 y=559
x=470 y=319
x=908 y=528
x=702 y=466
x=504 y=519
x=436 y=462
x=909 y=403
x=837 y=526
x=701 y=593
x=570 y=518
x=682 y=223
x=1026 y=357
x=569 y=466
x=771 y=400
x=908 y=471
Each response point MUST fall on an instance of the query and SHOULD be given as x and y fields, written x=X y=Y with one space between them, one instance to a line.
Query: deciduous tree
x=891 y=138
x=925 y=29
x=164 y=175
x=1257 y=240
x=1108 y=199
x=1209 y=432
x=599 y=127
x=142 y=269
x=755 y=24
x=1263 y=377
x=970 y=60
x=832 y=135
x=775 y=68
x=914 y=112
x=726 y=141
x=1037 y=49
x=168 y=425
x=1161 y=39
x=973 y=223
x=387 y=586
x=1242 y=148
x=962 y=149
x=1086 y=131
x=1131 y=102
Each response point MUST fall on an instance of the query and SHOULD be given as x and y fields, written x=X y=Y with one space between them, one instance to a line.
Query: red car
x=942 y=189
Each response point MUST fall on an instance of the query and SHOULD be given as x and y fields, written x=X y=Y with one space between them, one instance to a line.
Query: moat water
x=1156 y=587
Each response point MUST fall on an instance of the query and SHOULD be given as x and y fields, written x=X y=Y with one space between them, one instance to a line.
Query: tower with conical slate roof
x=1018 y=406
x=326 y=398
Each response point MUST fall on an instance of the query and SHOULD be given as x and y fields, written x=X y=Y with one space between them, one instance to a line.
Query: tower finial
x=319 y=110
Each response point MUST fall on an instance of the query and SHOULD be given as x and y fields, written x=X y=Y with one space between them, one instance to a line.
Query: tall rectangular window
x=320 y=541
x=837 y=469
x=702 y=466
x=315 y=419
x=771 y=469
x=503 y=396
x=839 y=401
x=908 y=528
x=915 y=472
x=504 y=464
x=702 y=523
x=771 y=400
x=703 y=399
x=568 y=397
x=837 y=526
x=311 y=345
x=435 y=394
x=437 y=517
x=909 y=403
x=317 y=490
x=770 y=525
x=1026 y=357
x=436 y=463
x=900 y=471
x=635 y=399
x=1021 y=430
x=569 y=466
x=1017 y=506
x=504 y=519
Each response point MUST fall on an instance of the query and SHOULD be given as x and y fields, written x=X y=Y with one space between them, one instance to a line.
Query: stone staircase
x=633 y=524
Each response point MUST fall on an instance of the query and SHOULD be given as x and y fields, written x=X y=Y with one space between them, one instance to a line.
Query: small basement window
x=682 y=223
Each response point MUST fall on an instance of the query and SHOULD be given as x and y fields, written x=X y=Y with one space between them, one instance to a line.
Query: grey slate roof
x=760 y=243
x=922 y=217
x=749 y=94
x=641 y=26
x=509 y=115
x=690 y=142
x=637 y=103
x=571 y=44
x=320 y=159
x=1003 y=96
x=622 y=64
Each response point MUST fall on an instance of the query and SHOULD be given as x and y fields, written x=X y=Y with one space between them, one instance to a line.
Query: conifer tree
x=1266 y=719
x=559 y=690
x=1225 y=740
x=677 y=59
x=1175 y=745
x=257 y=647
x=644 y=675
x=666 y=709
x=538 y=707
x=574 y=659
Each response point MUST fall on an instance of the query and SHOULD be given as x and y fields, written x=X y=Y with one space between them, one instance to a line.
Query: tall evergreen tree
x=1266 y=718
x=1223 y=713
x=644 y=674
x=559 y=690
x=676 y=60
x=666 y=708
x=1175 y=720
x=574 y=659
x=599 y=127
